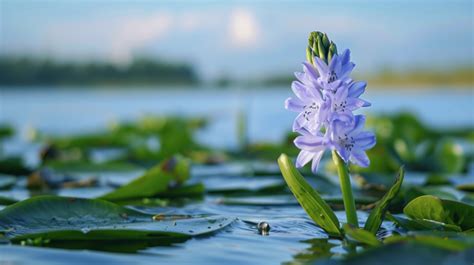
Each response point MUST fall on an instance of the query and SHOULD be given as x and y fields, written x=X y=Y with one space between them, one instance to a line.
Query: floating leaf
x=308 y=198
x=64 y=219
x=153 y=182
x=414 y=224
x=378 y=213
x=429 y=207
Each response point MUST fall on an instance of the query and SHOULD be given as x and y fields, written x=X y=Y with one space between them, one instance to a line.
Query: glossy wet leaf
x=308 y=198
x=429 y=207
x=423 y=224
x=361 y=235
x=154 y=181
x=377 y=214
x=62 y=218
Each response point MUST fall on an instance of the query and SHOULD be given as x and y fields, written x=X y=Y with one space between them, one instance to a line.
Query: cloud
x=243 y=28
x=135 y=33
x=115 y=38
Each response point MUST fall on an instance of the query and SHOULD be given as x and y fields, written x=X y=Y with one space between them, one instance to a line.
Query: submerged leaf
x=62 y=218
x=378 y=213
x=308 y=198
x=429 y=207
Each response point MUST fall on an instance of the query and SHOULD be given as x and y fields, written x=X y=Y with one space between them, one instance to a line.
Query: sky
x=242 y=39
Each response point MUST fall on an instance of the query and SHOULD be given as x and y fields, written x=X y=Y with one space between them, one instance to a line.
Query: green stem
x=345 y=182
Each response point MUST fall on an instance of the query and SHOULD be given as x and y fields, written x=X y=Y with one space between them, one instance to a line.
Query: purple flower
x=344 y=100
x=337 y=72
x=312 y=149
x=350 y=141
x=309 y=101
x=325 y=99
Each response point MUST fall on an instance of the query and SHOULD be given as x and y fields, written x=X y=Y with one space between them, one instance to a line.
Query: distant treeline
x=18 y=71
x=462 y=76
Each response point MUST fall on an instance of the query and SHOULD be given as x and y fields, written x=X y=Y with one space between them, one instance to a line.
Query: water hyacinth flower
x=326 y=97
x=350 y=141
x=312 y=148
x=338 y=71
x=309 y=101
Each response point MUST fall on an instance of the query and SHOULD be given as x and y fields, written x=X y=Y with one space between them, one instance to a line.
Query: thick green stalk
x=346 y=189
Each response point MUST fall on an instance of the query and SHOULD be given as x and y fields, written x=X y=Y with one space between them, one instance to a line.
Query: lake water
x=293 y=236
x=79 y=110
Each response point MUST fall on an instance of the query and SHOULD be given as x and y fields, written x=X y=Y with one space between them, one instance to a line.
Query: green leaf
x=430 y=225
x=308 y=198
x=435 y=241
x=378 y=213
x=429 y=207
x=153 y=182
x=361 y=235
x=449 y=156
x=61 y=218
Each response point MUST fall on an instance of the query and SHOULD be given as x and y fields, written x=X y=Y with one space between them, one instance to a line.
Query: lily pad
x=429 y=207
x=54 y=218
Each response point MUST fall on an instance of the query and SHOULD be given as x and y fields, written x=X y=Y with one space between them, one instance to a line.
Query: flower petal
x=338 y=128
x=345 y=56
x=356 y=89
x=299 y=122
x=355 y=103
x=341 y=93
x=365 y=140
x=310 y=70
x=360 y=158
x=334 y=62
x=345 y=71
x=303 y=158
x=316 y=160
x=294 y=104
x=359 y=121
x=299 y=89
x=321 y=66
x=343 y=153
x=310 y=142
x=301 y=77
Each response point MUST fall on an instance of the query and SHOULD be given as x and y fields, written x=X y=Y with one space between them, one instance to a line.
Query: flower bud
x=320 y=46
x=332 y=51
x=325 y=41
x=309 y=55
x=321 y=50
